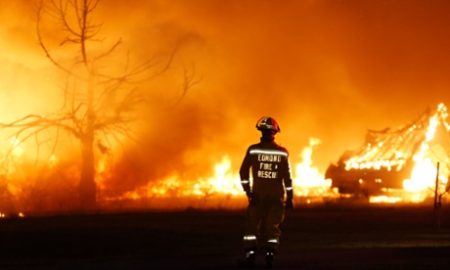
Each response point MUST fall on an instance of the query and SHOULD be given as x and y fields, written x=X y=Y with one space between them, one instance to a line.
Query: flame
x=308 y=181
x=424 y=171
x=422 y=181
x=222 y=187
x=224 y=183
x=423 y=175
x=395 y=196
x=361 y=163
x=384 y=199
x=224 y=180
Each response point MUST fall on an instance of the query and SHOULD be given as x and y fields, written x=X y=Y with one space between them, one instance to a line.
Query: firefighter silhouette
x=271 y=180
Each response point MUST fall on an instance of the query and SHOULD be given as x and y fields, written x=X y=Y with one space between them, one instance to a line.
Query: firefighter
x=271 y=179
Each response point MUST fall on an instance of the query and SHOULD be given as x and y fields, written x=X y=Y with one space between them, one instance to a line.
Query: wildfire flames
x=309 y=181
x=151 y=103
x=224 y=183
x=222 y=188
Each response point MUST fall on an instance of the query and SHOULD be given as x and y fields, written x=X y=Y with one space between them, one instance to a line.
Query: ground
x=319 y=237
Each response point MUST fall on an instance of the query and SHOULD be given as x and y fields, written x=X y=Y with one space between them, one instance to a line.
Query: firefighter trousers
x=264 y=216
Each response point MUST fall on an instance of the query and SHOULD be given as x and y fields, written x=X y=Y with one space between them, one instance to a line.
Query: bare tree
x=96 y=102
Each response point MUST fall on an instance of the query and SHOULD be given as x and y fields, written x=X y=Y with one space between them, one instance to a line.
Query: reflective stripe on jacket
x=270 y=170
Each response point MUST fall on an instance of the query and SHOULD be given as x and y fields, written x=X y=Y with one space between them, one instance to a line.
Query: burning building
x=404 y=158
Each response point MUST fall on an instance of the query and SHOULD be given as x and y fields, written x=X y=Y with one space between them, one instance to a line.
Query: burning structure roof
x=405 y=157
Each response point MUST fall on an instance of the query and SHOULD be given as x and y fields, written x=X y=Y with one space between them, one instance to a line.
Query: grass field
x=322 y=237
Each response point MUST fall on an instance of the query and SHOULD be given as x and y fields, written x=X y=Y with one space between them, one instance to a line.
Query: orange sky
x=328 y=69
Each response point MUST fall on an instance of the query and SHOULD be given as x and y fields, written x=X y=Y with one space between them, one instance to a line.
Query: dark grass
x=321 y=237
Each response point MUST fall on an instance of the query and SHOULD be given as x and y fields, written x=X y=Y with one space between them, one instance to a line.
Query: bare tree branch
x=97 y=100
x=32 y=121
x=108 y=52
x=189 y=81
x=44 y=47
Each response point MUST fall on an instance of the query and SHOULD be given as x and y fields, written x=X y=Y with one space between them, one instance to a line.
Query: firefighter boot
x=270 y=253
x=249 y=260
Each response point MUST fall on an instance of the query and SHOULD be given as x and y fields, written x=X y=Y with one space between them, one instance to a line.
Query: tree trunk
x=88 y=189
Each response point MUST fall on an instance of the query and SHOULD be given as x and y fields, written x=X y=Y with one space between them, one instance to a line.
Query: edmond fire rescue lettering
x=270 y=158
x=266 y=165
x=267 y=174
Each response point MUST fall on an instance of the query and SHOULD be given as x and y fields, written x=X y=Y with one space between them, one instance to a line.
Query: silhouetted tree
x=97 y=102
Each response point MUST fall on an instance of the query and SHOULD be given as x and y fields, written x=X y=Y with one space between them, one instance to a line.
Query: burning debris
x=398 y=165
x=223 y=188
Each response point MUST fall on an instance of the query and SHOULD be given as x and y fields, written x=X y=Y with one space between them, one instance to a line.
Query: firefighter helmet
x=268 y=123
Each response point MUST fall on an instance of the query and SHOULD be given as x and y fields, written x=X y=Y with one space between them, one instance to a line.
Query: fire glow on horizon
x=224 y=182
x=308 y=182
x=328 y=73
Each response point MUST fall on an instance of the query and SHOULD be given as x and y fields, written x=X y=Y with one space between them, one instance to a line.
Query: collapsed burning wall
x=403 y=158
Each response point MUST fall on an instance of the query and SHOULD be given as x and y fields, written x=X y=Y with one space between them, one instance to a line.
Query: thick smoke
x=328 y=69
